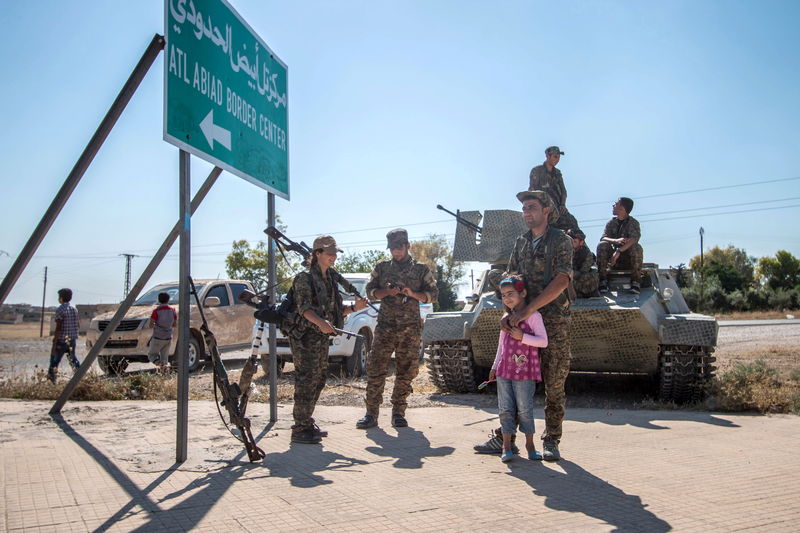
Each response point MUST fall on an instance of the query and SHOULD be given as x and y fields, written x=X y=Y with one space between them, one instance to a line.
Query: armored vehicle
x=651 y=333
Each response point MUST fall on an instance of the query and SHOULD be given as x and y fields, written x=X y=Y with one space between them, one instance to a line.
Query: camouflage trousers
x=555 y=361
x=585 y=283
x=632 y=259
x=310 y=358
x=404 y=341
x=566 y=221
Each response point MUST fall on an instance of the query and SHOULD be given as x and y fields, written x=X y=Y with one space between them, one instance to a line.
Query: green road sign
x=225 y=93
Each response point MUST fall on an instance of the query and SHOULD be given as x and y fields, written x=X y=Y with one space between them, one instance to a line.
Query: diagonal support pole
x=133 y=294
x=100 y=135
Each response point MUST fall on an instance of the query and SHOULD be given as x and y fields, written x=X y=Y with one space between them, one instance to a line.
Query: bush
x=780 y=299
x=92 y=387
x=756 y=387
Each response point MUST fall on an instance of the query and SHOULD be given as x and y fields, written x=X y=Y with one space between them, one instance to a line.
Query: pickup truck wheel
x=112 y=366
x=279 y=364
x=356 y=364
x=194 y=354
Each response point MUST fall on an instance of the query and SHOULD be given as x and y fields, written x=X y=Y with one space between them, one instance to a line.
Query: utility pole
x=128 y=258
x=44 y=292
x=702 y=273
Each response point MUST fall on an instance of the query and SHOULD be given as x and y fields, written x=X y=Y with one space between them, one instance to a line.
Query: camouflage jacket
x=312 y=290
x=582 y=260
x=550 y=182
x=628 y=228
x=402 y=310
x=540 y=262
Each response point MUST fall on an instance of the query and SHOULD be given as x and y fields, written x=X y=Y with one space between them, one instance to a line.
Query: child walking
x=517 y=369
x=163 y=320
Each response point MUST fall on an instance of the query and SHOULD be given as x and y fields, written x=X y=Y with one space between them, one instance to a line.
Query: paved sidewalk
x=109 y=466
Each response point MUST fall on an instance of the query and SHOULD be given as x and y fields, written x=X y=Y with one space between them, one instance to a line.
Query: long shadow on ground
x=577 y=491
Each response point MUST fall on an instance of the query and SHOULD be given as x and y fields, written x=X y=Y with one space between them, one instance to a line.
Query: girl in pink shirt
x=517 y=368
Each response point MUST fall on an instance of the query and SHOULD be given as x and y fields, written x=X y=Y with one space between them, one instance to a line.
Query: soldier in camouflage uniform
x=584 y=269
x=546 y=177
x=400 y=284
x=619 y=246
x=319 y=303
x=544 y=257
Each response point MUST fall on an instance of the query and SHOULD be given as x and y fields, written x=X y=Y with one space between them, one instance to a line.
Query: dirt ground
x=778 y=346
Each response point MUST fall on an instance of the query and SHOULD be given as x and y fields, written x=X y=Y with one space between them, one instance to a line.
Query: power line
x=672 y=211
x=696 y=190
x=710 y=214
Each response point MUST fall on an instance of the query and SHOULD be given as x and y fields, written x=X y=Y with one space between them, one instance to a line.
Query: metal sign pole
x=273 y=342
x=183 y=306
x=124 y=96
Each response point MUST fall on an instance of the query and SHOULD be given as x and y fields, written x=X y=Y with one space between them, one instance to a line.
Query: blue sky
x=397 y=106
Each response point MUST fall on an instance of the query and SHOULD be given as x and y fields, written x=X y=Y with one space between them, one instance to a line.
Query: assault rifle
x=232 y=398
x=285 y=243
x=474 y=227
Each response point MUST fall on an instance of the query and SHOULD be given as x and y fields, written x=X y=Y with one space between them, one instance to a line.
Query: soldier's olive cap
x=553 y=150
x=326 y=243
x=576 y=234
x=535 y=195
x=546 y=202
x=396 y=238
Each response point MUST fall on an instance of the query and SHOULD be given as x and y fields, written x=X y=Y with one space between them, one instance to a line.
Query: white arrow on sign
x=214 y=132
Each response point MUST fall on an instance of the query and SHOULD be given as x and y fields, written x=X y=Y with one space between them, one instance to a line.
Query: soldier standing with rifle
x=543 y=256
x=319 y=302
x=400 y=284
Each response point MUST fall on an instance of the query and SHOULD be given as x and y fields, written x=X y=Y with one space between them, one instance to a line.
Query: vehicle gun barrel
x=474 y=227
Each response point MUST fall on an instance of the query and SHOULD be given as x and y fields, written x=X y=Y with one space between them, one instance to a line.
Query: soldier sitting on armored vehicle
x=543 y=256
x=619 y=246
x=584 y=268
x=546 y=177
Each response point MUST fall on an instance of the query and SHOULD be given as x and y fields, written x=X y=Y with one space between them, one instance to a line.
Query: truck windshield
x=151 y=296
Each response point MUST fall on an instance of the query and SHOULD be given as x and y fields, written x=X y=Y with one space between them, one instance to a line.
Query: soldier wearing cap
x=546 y=177
x=319 y=302
x=543 y=256
x=619 y=246
x=584 y=269
x=400 y=284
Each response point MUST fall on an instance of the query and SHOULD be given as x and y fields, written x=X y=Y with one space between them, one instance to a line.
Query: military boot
x=367 y=422
x=551 y=452
x=306 y=436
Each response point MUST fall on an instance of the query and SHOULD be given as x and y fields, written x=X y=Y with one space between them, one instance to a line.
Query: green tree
x=252 y=264
x=731 y=265
x=681 y=274
x=438 y=255
x=360 y=262
x=781 y=271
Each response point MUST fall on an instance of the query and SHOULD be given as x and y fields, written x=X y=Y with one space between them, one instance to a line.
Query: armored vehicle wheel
x=684 y=372
x=451 y=366
x=112 y=366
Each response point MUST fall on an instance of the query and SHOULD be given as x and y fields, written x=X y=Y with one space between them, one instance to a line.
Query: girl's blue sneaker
x=507 y=456
x=534 y=456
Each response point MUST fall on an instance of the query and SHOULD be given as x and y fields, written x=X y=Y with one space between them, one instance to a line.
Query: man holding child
x=543 y=256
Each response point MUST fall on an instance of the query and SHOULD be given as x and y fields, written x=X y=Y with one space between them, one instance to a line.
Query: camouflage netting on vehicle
x=688 y=329
x=501 y=227
x=484 y=335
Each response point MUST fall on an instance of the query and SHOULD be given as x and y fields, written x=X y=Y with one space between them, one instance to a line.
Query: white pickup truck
x=352 y=354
